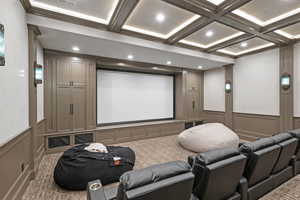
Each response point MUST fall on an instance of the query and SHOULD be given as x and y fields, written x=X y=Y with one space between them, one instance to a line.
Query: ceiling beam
x=194 y=7
x=121 y=13
x=230 y=42
x=26 y=4
x=231 y=5
x=294 y=19
x=190 y=29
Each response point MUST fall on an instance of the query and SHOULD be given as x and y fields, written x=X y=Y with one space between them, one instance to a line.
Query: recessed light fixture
x=75 y=59
x=75 y=48
x=130 y=57
x=156 y=68
x=209 y=33
x=121 y=64
x=200 y=67
x=169 y=62
x=160 y=17
x=244 y=44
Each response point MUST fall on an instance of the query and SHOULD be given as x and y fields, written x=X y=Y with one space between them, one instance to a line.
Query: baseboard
x=18 y=188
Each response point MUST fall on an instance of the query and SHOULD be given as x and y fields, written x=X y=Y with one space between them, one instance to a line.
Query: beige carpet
x=148 y=152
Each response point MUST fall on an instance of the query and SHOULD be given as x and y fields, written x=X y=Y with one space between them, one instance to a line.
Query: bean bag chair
x=208 y=137
x=77 y=166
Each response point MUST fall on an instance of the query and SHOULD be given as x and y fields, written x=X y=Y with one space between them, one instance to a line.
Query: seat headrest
x=152 y=174
x=282 y=137
x=210 y=157
x=256 y=145
x=295 y=133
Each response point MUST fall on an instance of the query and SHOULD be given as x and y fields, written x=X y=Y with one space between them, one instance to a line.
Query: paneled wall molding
x=32 y=34
x=122 y=133
x=297 y=122
x=16 y=171
x=286 y=96
x=13 y=142
x=189 y=95
x=213 y=116
x=254 y=126
x=229 y=96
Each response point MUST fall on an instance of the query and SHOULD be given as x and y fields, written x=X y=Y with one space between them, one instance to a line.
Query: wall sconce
x=38 y=74
x=285 y=81
x=228 y=87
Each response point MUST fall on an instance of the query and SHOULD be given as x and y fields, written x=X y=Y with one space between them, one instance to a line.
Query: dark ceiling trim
x=26 y=5
x=196 y=8
x=66 y=18
x=230 y=5
x=121 y=13
x=230 y=42
x=294 y=19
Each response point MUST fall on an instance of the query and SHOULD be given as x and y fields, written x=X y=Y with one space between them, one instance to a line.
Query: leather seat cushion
x=141 y=177
x=216 y=155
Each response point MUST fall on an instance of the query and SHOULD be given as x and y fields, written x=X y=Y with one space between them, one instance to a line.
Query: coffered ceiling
x=224 y=27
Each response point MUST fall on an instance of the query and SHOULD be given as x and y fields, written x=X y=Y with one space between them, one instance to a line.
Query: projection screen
x=124 y=97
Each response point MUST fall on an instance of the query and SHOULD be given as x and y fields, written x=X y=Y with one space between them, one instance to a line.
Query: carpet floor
x=148 y=152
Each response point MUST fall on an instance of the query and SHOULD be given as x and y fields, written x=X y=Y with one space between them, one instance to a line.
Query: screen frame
x=136 y=121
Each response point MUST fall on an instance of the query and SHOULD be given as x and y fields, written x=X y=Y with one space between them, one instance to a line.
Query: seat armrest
x=243 y=188
x=95 y=191
x=293 y=164
x=191 y=160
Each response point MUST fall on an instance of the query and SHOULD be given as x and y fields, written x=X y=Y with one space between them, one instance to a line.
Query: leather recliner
x=262 y=156
x=284 y=169
x=218 y=174
x=296 y=134
x=167 y=181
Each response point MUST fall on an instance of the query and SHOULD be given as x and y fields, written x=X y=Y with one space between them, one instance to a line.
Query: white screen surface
x=130 y=96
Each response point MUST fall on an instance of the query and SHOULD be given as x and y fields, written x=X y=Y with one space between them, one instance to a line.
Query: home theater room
x=150 y=100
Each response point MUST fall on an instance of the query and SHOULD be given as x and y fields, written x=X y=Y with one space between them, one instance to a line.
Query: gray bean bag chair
x=208 y=137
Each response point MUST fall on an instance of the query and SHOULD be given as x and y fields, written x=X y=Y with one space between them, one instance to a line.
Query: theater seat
x=218 y=174
x=283 y=169
x=262 y=157
x=167 y=181
x=296 y=134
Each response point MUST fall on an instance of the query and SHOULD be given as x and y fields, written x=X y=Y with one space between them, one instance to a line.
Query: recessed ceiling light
x=160 y=17
x=209 y=33
x=155 y=68
x=121 y=64
x=75 y=48
x=75 y=59
x=244 y=44
x=169 y=62
x=200 y=67
x=130 y=56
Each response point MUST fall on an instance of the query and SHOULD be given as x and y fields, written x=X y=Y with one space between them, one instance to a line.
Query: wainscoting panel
x=15 y=168
x=122 y=133
x=214 y=116
x=252 y=126
x=296 y=122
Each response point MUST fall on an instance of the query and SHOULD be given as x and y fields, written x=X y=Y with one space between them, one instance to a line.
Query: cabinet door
x=64 y=109
x=79 y=72
x=79 y=108
x=64 y=76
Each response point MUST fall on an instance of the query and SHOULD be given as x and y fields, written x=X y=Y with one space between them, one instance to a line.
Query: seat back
x=288 y=146
x=217 y=173
x=296 y=134
x=167 y=181
x=262 y=156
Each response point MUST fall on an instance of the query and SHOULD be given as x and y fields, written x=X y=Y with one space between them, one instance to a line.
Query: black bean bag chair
x=76 y=167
